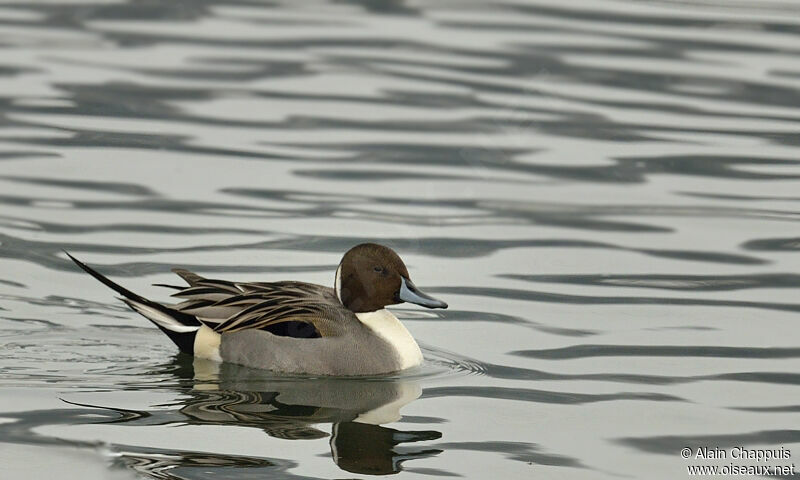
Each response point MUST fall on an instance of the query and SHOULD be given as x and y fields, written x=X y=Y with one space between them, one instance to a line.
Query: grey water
x=607 y=194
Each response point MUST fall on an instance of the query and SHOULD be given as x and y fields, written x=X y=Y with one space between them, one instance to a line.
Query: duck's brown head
x=372 y=276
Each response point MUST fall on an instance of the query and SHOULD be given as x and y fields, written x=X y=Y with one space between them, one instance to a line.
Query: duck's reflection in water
x=292 y=408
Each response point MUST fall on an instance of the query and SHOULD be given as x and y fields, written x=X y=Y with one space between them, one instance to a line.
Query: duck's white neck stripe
x=337 y=284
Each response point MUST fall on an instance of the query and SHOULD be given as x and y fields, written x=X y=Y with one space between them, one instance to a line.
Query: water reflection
x=607 y=190
x=291 y=409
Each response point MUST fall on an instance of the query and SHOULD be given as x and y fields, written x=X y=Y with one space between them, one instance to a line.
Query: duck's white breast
x=390 y=329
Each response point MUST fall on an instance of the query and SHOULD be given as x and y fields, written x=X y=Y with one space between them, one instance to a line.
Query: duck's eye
x=378 y=269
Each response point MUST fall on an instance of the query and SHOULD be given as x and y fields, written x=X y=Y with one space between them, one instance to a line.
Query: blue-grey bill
x=411 y=294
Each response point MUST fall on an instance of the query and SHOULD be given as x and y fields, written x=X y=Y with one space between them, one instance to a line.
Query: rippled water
x=606 y=194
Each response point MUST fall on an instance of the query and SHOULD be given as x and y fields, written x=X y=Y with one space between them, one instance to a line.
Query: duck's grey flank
x=353 y=353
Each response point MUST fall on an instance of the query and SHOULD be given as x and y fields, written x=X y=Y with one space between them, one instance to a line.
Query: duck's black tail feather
x=180 y=327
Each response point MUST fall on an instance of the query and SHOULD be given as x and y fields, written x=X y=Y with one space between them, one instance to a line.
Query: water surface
x=605 y=193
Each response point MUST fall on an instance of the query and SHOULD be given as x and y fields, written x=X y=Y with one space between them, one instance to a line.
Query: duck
x=293 y=327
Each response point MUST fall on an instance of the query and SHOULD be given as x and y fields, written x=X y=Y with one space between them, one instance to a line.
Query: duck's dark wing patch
x=292 y=309
x=293 y=329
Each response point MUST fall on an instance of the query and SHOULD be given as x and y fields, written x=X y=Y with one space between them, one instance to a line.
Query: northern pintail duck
x=294 y=327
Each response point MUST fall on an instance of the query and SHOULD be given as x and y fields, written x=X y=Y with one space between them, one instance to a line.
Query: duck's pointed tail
x=180 y=327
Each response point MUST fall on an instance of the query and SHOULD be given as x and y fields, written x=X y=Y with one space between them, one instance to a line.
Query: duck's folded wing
x=293 y=309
